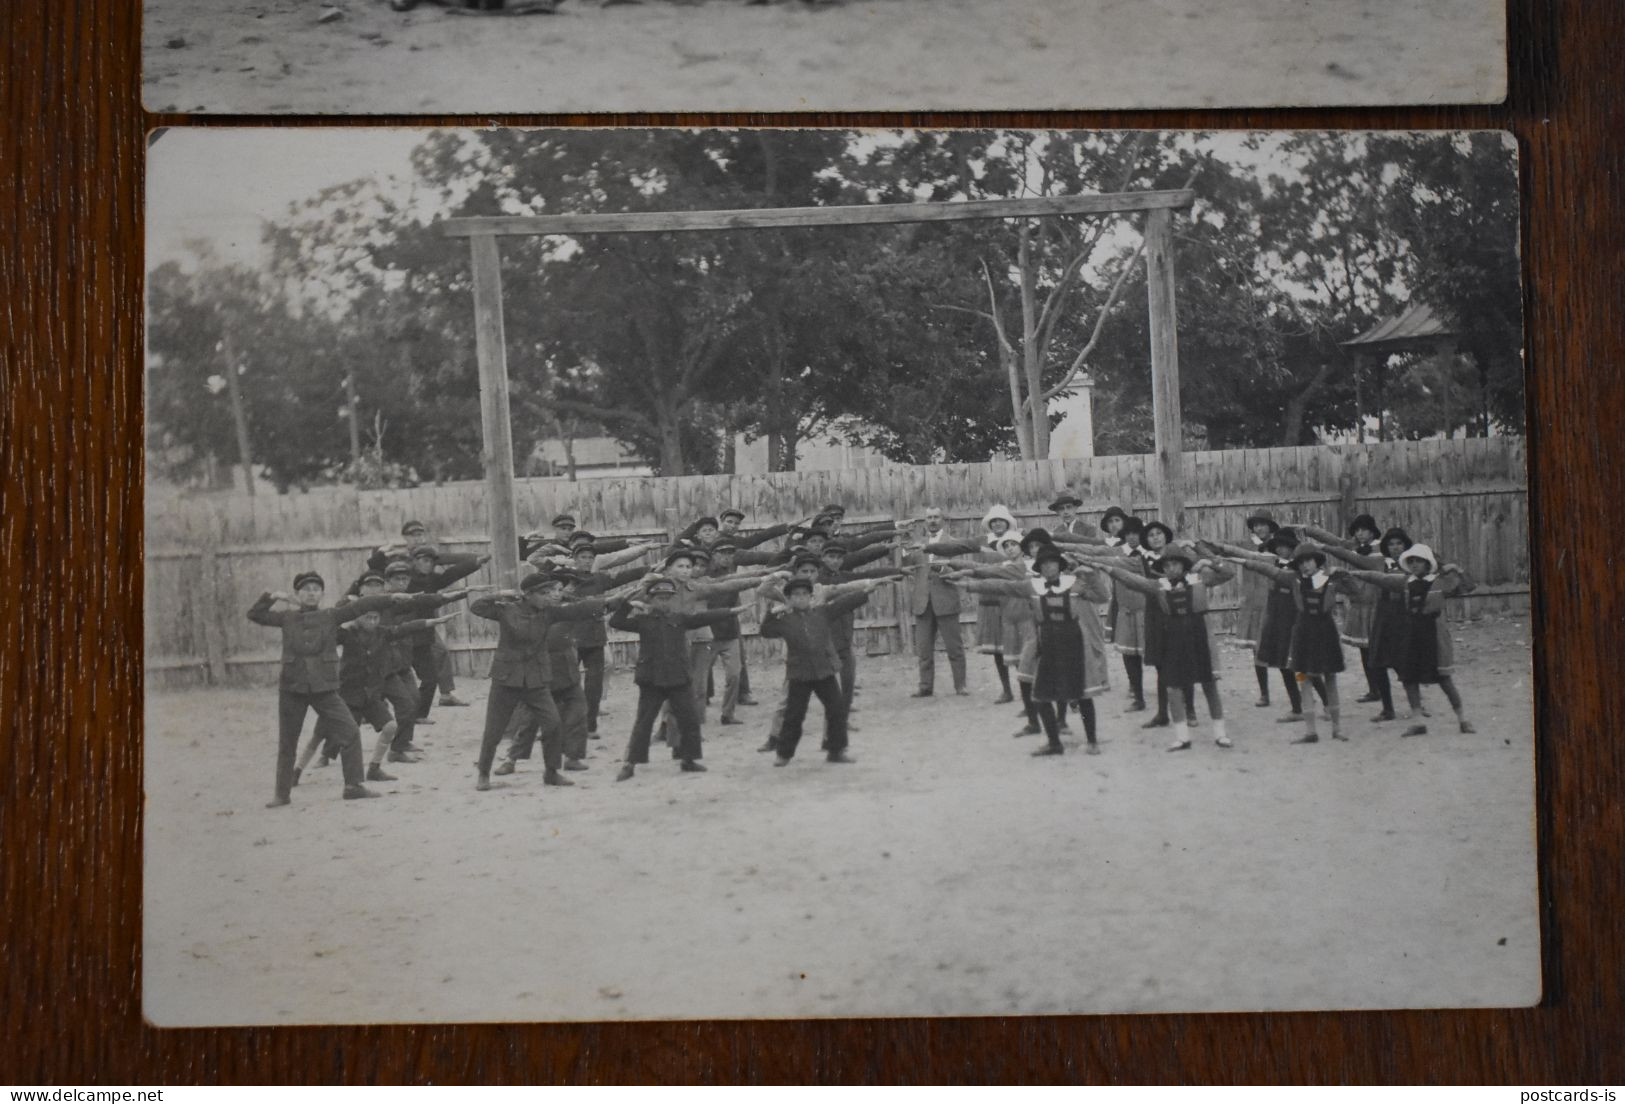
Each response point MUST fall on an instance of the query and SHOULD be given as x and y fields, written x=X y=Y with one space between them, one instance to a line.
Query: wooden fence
x=208 y=557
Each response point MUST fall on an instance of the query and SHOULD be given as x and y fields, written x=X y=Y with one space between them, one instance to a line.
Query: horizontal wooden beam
x=772 y=218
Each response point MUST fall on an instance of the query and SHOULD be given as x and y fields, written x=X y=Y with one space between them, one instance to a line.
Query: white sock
x=1218 y=728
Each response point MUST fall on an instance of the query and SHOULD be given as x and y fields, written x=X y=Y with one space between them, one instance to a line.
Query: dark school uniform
x=431 y=661
x=591 y=637
x=1429 y=654
x=310 y=681
x=522 y=670
x=1390 y=627
x=365 y=663
x=1316 y=647
x=1280 y=614
x=401 y=687
x=845 y=626
x=810 y=641
x=662 y=675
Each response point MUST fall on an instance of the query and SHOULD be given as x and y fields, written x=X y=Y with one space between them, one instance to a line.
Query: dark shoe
x=554 y=778
x=1262 y=703
x=484 y=782
x=1368 y=698
x=1050 y=749
x=1385 y=715
x=748 y=701
x=574 y=765
x=781 y=761
x=505 y=767
x=357 y=792
x=960 y=691
x=1030 y=730
x=729 y=721
x=375 y=773
x=625 y=772
x=1136 y=706
x=451 y=700
x=1467 y=727
x=921 y=694
x=1289 y=718
x=1159 y=721
x=1063 y=727
x=689 y=766
x=1004 y=698
x=1307 y=738
x=1336 y=735
x=402 y=757
x=1416 y=730
x=324 y=761
x=278 y=801
x=769 y=746
x=839 y=757
x=297 y=771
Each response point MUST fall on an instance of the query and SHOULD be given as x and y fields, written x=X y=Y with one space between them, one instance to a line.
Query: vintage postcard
x=540 y=56
x=667 y=574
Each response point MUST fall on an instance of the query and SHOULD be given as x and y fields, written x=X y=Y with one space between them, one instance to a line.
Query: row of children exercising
x=1043 y=588
x=1038 y=596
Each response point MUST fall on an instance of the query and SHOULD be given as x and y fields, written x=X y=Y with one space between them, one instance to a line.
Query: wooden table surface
x=71 y=140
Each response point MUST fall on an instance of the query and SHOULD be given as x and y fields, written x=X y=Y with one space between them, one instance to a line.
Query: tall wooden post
x=491 y=350
x=1159 y=281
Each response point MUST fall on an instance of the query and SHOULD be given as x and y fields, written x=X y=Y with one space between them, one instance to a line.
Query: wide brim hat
x=304 y=577
x=1168 y=533
x=1112 y=512
x=1037 y=536
x=1420 y=552
x=1364 y=521
x=1309 y=554
x=1047 y=553
x=998 y=513
x=1282 y=537
x=1262 y=517
x=1132 y=524
x=1170 y=556
x=1396 y=533
x=1065 y=500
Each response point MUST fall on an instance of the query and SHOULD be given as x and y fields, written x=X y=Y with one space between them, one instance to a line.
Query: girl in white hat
x=1428 y=657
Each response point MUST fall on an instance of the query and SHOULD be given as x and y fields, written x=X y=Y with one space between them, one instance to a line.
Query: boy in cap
x=808 y=633
x=433 y=571
x=366 y=662
x=522 y=671
x=663 y=670
x=833 y=572
x=310 y=676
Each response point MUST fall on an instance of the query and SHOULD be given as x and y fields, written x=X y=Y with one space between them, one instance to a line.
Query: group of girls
x=1050 y=601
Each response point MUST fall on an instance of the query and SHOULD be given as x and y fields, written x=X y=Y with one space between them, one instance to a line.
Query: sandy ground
x=273 y=56
x=945 y=873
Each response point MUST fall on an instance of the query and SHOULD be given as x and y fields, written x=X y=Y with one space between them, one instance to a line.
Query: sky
x=216 y=187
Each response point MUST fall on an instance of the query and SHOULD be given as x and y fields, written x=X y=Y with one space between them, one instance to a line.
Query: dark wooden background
x=71 y=140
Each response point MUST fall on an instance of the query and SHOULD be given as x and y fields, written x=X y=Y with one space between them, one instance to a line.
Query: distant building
x=595 y=458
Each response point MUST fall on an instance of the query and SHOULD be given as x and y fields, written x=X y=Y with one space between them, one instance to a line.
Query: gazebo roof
x=1417 y=327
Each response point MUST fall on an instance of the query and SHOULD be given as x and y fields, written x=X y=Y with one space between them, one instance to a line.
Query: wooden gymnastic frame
x=491 y=350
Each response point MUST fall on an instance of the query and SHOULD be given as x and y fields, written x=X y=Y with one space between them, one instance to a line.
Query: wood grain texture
x=71 y=144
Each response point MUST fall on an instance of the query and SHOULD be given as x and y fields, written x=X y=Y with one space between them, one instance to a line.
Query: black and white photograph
x=374 y=57
x=651 y=574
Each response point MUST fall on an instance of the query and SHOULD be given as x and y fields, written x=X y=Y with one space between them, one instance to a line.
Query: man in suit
x=1065 y=508
x=935 y=604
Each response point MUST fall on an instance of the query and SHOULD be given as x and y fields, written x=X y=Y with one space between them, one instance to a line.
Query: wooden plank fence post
x=1159 y=280
x=490 y=349
x=211 y=609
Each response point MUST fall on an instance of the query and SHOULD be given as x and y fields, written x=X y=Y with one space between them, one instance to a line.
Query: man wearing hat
x=310 y=675
x=810 y=646
x=432 y=572
x=522 y=671
x=1255 y=593
x=402 y=687
x=1067 y=522
x=935 y=604
x=726 y=524
x=833 y=572
x=663 y=670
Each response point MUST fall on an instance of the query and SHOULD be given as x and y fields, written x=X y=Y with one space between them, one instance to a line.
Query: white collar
x=1063 y=582
x=1318 y=580
x=1256 y=539
x=1113 y=542
x=1190 y=580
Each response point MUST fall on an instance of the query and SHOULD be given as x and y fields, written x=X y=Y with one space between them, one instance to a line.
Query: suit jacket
x=592 y=634
x=522 y=660
x=927 y=591
x=663 y=653
x=369 y=658
x=809 y=636
x=310 y=640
